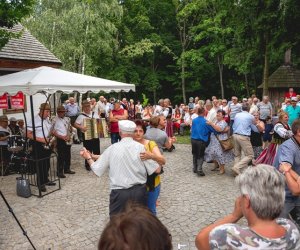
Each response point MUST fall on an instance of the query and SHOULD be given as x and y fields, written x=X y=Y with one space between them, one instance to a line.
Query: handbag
x=23 y=187
x=226 y=144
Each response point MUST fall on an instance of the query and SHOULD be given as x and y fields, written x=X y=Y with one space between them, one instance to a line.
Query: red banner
x=3 y=101
x=17 y=101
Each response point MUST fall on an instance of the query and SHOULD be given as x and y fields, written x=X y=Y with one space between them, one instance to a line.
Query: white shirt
x=61 y=125
x=3 y=132
x=282 y=131
x=47 y=125
x=253 y=109
x=158 y=110
x=194 y=116
x=126 y=168
x=212 y=115
x=83 y=116
x=187 y=118
x=101 y=107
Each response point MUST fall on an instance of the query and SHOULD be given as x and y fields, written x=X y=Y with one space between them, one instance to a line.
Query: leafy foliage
x=172 y=48
x=12 y=12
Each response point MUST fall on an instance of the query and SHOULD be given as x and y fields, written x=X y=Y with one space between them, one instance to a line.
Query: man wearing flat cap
x=4 y=153
x=293 y=110
x=43 y=129
x=14 y=128
x=127 y=172
x=91 y=144
x=62 y=130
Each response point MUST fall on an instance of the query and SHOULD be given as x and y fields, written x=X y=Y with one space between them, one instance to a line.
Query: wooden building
x=285 y=77
x=24 y=53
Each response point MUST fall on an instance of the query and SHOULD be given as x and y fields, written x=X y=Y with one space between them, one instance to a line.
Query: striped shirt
x=234 y=109
x=126 y=169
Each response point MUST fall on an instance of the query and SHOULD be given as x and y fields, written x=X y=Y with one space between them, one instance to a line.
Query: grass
x=185 y=139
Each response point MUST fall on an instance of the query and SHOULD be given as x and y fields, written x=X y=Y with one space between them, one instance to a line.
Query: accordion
x=92 y=128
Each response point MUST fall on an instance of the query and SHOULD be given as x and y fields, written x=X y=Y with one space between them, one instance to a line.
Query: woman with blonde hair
x=282 y=132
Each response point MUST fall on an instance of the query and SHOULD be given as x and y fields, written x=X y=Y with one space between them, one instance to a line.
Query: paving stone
x=74 y=217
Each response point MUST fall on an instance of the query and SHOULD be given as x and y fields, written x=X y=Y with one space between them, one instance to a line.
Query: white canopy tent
x=50 y=80
x=47 y=80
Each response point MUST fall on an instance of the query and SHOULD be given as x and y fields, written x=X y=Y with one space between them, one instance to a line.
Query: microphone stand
x=11 y=211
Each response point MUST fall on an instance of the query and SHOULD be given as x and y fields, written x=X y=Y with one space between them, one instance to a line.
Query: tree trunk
x=154 y=96
x=52 y=37
x=183 y=79
x=220 y=65
x=247 y=85
x=84 y=54
x=266 y=68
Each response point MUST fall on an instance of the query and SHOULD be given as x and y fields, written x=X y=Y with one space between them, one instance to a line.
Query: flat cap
x=3 y=118
x=45 y=106
x=127 y=126
x=294 y=99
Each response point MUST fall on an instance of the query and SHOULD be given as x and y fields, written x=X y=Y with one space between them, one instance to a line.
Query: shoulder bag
x=227 y=144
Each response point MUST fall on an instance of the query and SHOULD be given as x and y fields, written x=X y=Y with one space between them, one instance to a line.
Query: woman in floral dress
x=214 y=151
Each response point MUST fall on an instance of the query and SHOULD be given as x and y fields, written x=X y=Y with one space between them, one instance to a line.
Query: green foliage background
x=171 y=48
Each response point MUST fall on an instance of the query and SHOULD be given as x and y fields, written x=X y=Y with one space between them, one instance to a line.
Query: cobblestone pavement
x=73 y=217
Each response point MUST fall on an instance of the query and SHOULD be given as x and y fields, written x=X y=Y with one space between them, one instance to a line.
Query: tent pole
x=35 y=146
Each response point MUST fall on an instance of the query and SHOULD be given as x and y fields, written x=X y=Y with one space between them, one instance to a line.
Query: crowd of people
x=258 y=141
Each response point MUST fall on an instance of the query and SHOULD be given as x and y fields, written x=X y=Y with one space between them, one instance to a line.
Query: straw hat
x=61 y=108
x=3 y=118
x=45 y=106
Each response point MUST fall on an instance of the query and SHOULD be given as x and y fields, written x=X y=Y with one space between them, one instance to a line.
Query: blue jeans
x=152 y=198
x=115 y=137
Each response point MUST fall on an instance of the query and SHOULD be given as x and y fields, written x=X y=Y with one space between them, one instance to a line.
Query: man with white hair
x=253 y=105
x=265 y=109
x=127 y=172
x=101 y=106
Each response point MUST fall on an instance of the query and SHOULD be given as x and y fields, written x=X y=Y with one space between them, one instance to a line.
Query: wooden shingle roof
x=285 y=76
x=27 y=48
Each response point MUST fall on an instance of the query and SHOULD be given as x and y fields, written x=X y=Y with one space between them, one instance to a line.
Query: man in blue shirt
x=199 y=137
x=288 y=152
x=241 y=138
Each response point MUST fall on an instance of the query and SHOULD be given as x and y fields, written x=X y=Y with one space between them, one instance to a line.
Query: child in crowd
x=269 y=131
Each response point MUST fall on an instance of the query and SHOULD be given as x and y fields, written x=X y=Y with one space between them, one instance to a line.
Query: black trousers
x=119 y=198
x=43 y=162
x=4 y=159
x=93 y=146
x=63 y=156
x=198 y=148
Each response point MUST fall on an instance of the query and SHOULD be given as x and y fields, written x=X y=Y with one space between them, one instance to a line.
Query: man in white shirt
x=212 y=113
x=91 y=144
x=253 y=105
x=4 y=153
x=63 y=133
x=159 y=108
x=127 y=172
x=101 y=106
x=187 y=119
x=41 y=148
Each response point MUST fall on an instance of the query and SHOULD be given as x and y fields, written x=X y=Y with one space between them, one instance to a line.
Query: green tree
x=81 y=33
x=11 y=13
